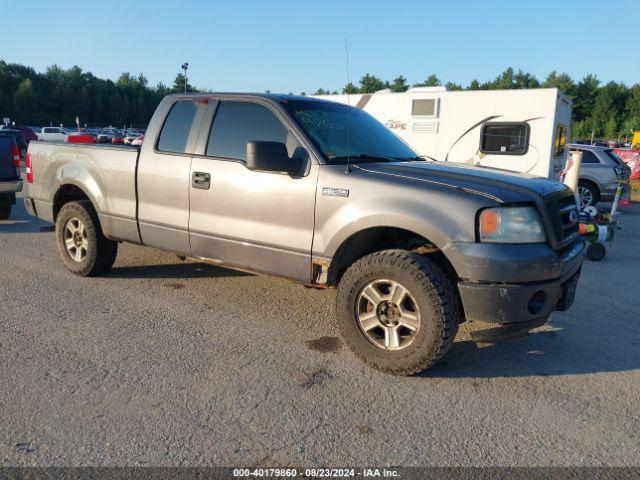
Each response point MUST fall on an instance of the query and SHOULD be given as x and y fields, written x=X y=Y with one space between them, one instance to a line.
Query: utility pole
x=185 y=67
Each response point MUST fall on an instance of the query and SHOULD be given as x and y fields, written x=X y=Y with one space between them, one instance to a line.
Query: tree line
x=57 y=95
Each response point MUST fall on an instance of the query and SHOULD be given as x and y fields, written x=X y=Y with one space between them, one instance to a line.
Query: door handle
x=201 y=180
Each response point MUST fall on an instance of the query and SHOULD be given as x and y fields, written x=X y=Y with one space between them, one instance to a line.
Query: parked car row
x=62 y=134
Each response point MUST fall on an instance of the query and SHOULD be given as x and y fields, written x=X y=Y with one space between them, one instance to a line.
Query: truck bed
x=106 y=174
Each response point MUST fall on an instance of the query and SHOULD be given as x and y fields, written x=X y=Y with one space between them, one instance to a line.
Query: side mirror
x=270 y=157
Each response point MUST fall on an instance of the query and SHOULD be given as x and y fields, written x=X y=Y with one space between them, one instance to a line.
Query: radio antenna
x=348 y=170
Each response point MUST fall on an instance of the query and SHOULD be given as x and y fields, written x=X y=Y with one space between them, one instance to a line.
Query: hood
x=500 y=185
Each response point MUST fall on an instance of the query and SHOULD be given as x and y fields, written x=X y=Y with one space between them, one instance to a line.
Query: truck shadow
x=21 y=222
x=576 y=349
x=174 y=270
x=14 y=225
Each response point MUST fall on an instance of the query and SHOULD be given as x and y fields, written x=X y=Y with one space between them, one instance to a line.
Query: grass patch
x=635 y=190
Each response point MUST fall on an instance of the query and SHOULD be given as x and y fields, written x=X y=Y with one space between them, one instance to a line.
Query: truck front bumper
x=510 y=302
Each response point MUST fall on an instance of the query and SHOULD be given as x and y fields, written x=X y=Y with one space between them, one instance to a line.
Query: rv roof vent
x=429 y=126
x=383 y=91
x=427 y=89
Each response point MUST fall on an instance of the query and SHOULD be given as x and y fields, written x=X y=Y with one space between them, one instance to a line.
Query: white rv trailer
x=519 y=130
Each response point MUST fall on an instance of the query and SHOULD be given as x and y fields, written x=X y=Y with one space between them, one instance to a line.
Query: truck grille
x=563 y=223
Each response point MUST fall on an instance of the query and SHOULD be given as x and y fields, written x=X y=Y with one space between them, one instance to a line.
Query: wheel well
x=376 y=239
x=65 y=194
x=590 y=182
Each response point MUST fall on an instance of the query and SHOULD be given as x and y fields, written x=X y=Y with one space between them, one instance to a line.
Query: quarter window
x=504 y=138
x=589 y=157
x=237 y=123
x=176 y=128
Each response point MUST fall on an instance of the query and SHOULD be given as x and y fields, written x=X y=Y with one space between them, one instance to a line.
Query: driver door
x=259 y=221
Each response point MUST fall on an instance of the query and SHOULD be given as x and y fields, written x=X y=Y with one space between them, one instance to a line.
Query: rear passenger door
x=163 y=177
x=261 y=221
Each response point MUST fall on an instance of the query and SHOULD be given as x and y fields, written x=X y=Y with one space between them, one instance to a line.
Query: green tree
x=399 y=84
x=350 y=88
x=525 y=80
x=611 y=128
x=24 y=102
x=586 y=92
x=453 y=86
x=178 y=84
x=370 y=84
x=560 y=81
x=474 y=85
x=431 y=81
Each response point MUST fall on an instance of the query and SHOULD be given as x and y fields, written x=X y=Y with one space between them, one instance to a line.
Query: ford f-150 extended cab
x=325 y=195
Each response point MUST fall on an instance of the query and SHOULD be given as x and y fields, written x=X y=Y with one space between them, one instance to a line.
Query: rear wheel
x=82 y=246
x=397 y=311
x=589 y=194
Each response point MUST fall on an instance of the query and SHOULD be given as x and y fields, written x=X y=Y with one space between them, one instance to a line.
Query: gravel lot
x=164 y=362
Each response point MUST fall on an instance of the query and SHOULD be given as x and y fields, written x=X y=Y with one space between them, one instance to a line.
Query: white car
x=130 y=137
x=53 y=134
x=137 y=141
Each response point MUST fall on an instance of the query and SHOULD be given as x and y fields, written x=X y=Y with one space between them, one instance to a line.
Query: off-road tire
x=5 y=211
x=101 y=252
x=432 y=290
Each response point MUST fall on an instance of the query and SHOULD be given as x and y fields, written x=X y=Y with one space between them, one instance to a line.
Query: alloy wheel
x=387 y=314
x=75 y=239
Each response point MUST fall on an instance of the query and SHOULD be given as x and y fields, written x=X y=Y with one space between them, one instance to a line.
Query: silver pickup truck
x=325 y=195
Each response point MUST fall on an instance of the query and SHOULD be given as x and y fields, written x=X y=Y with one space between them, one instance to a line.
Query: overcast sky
x=298 y=46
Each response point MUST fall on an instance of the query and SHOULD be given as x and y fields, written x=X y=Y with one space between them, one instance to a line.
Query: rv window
x=424 y=108
x=561 y=140
x=504 y=138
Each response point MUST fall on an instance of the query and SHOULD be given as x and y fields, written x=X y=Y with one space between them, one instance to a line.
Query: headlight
x=511 y=225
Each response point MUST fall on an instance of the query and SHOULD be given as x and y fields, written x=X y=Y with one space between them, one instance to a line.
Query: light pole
x=185 y=67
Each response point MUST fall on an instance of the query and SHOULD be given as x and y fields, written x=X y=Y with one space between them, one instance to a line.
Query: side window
x=504 y=138
x=589 y=157
x=49 y=130
x=561 y=140
x=175 y=131
x=237 y=123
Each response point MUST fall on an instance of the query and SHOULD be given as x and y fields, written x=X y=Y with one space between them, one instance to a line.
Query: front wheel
x=397 y=311
x=82 y=246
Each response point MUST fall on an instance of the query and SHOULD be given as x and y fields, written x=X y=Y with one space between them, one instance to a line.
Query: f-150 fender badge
x=335 y=192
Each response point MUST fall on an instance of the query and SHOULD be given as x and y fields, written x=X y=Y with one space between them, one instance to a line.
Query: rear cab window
x=174 y=135
x=503 y=138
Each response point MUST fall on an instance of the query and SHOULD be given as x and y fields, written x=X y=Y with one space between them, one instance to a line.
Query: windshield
x=340 y=131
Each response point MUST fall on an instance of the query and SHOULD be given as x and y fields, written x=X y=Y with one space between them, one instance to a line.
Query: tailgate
x=7 y=170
